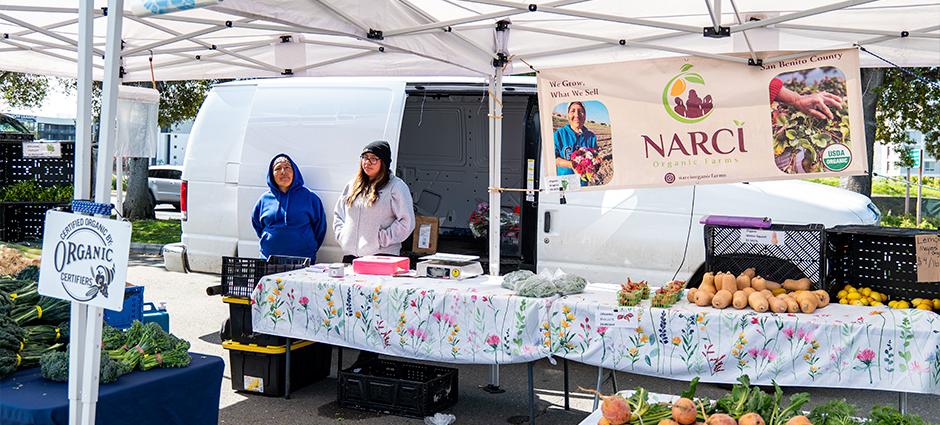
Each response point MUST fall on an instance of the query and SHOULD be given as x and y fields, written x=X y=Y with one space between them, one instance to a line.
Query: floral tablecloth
x=838 y=346
x=473 y=321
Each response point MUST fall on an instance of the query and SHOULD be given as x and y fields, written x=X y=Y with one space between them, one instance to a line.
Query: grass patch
x=156 y=231
x=931 y=223
x=885 y=187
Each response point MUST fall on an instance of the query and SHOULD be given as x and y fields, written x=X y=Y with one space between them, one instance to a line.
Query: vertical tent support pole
x=496 y=132
x=81 y=190
x=92 y=330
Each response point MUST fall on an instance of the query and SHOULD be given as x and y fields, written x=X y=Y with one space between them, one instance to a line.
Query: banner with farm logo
x=692 y=120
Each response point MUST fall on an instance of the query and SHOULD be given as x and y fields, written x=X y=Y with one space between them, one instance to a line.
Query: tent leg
x=600 y=381
x=531 y=393
x=287 y=370
x=567 y=393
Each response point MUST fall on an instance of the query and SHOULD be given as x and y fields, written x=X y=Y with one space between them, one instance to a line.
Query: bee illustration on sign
x=103 y=278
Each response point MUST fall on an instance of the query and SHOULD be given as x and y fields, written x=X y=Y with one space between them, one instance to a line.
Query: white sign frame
x=84 y=259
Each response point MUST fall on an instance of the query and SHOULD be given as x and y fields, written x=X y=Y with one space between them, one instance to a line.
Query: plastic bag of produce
x=512 y=279
x=538 y=286
x=569 y=284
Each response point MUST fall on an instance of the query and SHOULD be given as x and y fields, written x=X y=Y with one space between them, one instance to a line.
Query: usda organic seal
x=836 y=157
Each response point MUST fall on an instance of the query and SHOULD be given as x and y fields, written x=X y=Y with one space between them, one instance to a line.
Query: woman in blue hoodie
x=289 y=218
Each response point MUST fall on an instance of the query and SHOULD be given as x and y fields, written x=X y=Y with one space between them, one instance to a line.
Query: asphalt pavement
x=198 y=317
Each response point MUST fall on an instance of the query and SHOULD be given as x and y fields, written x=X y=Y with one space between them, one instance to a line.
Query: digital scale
x=450 y=266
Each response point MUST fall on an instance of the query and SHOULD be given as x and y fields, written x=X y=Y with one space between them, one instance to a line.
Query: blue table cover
x=187 y=395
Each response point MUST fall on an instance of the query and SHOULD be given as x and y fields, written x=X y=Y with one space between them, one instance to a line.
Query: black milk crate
x=46 y=172
x=882 y=258
x=240 y=329
x=261 y=369
x=398 y=388
x=24 y=221
x=800 y=252
x=241 y=274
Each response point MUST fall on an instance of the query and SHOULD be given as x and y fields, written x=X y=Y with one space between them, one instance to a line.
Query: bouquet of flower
x=480 y=221
x=586 y=162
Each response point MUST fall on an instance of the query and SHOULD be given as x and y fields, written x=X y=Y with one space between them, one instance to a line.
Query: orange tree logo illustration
x=683 y=97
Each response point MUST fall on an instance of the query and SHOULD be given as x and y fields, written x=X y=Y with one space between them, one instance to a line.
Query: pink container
x=385 y=266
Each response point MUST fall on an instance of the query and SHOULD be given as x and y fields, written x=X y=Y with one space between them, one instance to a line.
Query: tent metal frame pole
x=188 y=59
x=797 y=15
x=860 y=43
x=372 y=47
x=110 y=79
x=282 y=28
x=621 y=19
x=49 y=27
x=332 y=61
x=289 y=25
x=747 y=40
x=469 y=41
x=519 y=9
x=715 y=14
x=339 y=12
x=81 y=190
x=44 y=31
x=46 y=44
x=44 y=9
x=179 y=37
x=22 y=46
x=892 y=34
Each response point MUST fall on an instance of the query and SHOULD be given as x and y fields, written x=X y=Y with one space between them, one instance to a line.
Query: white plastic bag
x=439 y=419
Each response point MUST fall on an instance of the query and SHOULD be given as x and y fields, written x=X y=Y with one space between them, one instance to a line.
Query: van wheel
x=696 y=278
x=225 y=333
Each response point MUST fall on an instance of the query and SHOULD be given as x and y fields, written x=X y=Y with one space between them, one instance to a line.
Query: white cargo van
x=438 y=132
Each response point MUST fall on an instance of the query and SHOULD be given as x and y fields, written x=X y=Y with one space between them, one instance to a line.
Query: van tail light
x=183 y=202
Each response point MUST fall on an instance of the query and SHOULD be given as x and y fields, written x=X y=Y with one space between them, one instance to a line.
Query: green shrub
x=30 y=191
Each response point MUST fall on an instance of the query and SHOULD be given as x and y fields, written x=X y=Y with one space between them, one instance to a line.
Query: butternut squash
x=749 y=272
x=758 y=302
x=743 y=281
x=729 y=283
x=690 y=294
x=739 y=299
x=777 y=305
x=759 y=283
x=722 y=299
x=703 y=298
x=823 y=297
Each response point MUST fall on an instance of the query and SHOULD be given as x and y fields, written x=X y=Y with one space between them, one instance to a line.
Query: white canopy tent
x=272 y=38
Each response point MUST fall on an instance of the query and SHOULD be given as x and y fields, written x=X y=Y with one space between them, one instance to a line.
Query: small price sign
x=617 y=318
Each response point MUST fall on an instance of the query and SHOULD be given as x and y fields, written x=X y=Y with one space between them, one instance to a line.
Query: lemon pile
x=867 y=297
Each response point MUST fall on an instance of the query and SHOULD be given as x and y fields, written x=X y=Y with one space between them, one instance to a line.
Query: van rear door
x=607 y=236
x=323 y=125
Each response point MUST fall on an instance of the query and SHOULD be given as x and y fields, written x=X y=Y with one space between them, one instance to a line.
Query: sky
x=56 y=105
x=595 y=110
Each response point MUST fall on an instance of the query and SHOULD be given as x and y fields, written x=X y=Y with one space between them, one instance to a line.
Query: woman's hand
x=815 y=105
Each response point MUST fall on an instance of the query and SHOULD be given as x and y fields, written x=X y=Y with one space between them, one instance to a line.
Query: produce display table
x=838 y=346
x=187 y=395
x=473 y=321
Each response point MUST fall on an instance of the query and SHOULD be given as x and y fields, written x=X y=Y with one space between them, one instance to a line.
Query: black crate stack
x=882 y=258
x=23 y=221
x=259 y=361
x=801 y=252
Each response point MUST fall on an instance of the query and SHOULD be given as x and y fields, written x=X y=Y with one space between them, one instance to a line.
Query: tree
x=909 y=99
x=179 y=101
x=871 y=81
x=23 y=90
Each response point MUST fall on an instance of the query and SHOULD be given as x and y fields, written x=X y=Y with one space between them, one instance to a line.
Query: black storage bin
x=14 y=168
x=240 y=329
x=398 y=388
x=240 y=274
x=24 y=221
x=882 y=258
x=261 y=370
x=800 y=252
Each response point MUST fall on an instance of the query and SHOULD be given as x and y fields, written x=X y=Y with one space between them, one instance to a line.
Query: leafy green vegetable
x=834 y=412
x=30 y=191
x=55 y=367
x=885 y=415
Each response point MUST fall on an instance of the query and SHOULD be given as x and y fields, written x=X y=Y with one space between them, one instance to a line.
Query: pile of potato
x=749 y=290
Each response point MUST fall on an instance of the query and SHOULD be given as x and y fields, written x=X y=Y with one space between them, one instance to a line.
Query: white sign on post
x=84 y=259
x=42 y=150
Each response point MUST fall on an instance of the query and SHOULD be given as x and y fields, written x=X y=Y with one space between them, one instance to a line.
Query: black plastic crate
x=398 y=388
x=24 y=221
x=801 y=253
x=46 y=172
x=261 y=370
x=882 y=258
x=241 y=274
x=240 y=329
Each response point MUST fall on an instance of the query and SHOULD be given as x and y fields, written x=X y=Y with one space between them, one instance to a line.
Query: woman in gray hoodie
x=375 y=212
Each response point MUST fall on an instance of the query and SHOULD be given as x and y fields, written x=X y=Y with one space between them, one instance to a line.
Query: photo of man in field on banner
x=693 y=120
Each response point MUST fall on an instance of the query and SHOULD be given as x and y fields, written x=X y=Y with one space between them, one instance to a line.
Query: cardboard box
x=424 y=239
